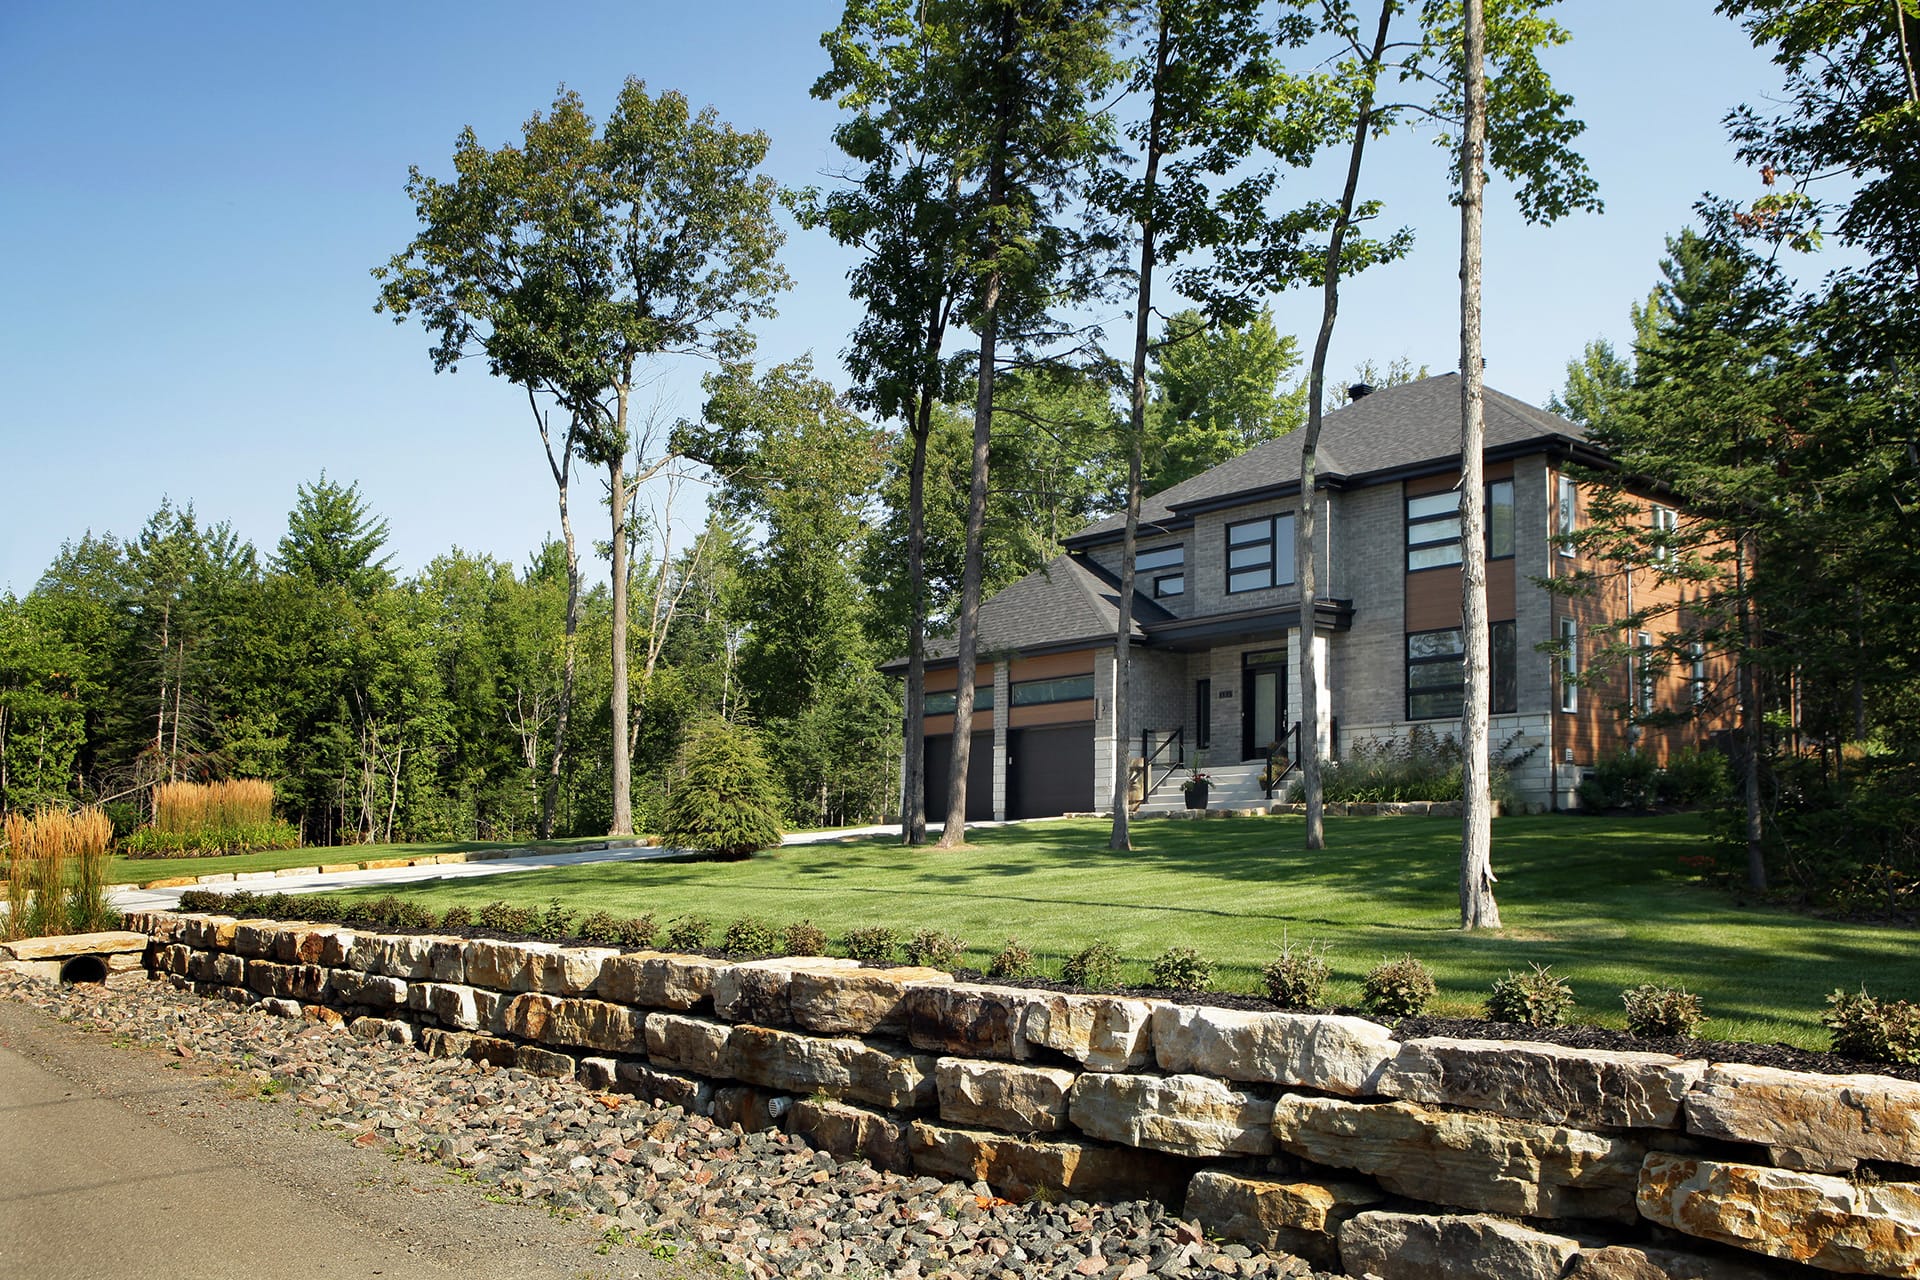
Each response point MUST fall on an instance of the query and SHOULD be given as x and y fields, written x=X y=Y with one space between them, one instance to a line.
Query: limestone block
x=255 y=937
x=321 y=1016
x=965 y=1018
x=1328 y=1052
x=668 y=1088
x=659 y=979
x=1297 y=1217
x=103 y=942
x=450 y=1004
x=492 y=1050
x=344 y=949
x=221 y=968
x=1409 y=1246
x=175 y=958
x=303 y=983
x=1184 y=1115
x=280 y=1008
x=879 y=1074
x=1822 y=1124
x=570 y=971
x=1826 y=1222
x=437 y=1043
x=503 y=966
x=1002 y=1095
x=1633 y=1262
x=757 y=991
x=1492 y=1164
x=301 y=944
x=595 y=1073
x=847 y=1132
x=1102 y=1033
x=543 y=1062
x=350 y=987
x=390 y=1030
x=1019 y=1167
x=575 y=1023
x=697 y=1046
x=420 y=957
x=1544 y=1082
x=857 y=1001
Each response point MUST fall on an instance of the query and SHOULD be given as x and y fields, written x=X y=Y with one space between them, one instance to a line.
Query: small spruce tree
x=727 y=802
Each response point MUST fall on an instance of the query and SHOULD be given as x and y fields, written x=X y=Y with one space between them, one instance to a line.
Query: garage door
x=979 y=776
x=1050 y=771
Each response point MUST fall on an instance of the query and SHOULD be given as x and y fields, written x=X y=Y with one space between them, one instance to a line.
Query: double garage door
x=1049 y=772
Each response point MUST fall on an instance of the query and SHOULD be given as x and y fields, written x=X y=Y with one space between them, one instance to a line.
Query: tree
x=570 y=258
x=332 y=539
x=727 y=803
x=1219 y=392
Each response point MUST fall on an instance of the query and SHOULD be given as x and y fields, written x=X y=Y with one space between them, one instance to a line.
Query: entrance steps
x=1230 y=786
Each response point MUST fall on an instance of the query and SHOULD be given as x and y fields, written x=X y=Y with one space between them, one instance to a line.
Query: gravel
x=655 y=1178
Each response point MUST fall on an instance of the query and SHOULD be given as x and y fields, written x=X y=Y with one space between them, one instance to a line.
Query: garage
x=1049 y=771
x=979 y=776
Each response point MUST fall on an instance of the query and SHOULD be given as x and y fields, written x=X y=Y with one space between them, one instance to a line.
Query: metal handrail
x=1274 y=752
x=1175 y=738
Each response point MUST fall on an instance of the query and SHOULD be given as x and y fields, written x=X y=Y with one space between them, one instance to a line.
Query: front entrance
x=1263 y=709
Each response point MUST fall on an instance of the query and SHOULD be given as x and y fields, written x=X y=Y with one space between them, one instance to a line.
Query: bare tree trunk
x=618 y=702
x=1307 y=547
x=1751 y=717
x=562 y=469
x=913 y=789
x=954 y=833
x=1478 y=910
x=160 y=721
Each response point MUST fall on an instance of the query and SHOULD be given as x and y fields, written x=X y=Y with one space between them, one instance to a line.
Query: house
x=1217 y=631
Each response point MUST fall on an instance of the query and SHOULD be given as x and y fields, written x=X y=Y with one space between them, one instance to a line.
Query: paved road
x=118 y=1162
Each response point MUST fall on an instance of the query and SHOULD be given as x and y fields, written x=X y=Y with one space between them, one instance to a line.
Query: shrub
x=806 y=939
x=1536 y=999
x=190 y=899
x=194 y=819
x=1624 y=779
x=1655 y=1010
x=557 y=920
x=502 y=916
x=934 y=949
x=412 y=915
x=636 y=932
x=727 y=802
x=1180 y=969
x=1095 y=967
x=326 y=907
x=750 y=936
x=1424 y=765
x=687 y=933
x=1873 y=1030
x=602 y=928
x=874 y=944
x=1694 y=776
x=1397 y=988
x=1013 y=961
x=1297 y=978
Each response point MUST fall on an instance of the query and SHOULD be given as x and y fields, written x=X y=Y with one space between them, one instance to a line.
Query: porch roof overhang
x=1187 y=635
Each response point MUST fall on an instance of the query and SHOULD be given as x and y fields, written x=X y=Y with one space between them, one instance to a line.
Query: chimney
x=1359 y=391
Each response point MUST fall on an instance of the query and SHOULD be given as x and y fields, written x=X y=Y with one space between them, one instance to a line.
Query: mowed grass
x=1607 y=903
x=144 y=870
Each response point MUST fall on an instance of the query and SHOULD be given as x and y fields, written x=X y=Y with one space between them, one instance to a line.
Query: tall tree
x=1219 y=390
x=575 y=255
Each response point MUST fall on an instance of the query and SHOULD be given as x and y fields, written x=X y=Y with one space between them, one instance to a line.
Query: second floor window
x=1165 y=567
x=1664 y=522
x=1433 y=526
x=1260 y=553
x=1437 y=672
x=1566 y=512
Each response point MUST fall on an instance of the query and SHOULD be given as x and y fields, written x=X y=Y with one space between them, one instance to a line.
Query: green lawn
x=143 y=870
x=1606 y=903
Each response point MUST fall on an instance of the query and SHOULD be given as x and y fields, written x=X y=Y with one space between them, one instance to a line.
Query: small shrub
x=1014 y=961
x=804 y=938
x=636 y=932
x=502 y=916
x=326 y=907
x=687 y=933
x=1397 y=988
x=602 y=928
x=1623 y=779
x=1873 y=1030
x=727 y=802
x=412 y=915
x=457 y=918
x=190 y=899
x=1694 y=776
x=1655 y=1010
x=557 y=920
x=1297 y=978
x=750 y=936
x=874 y=944
x=1095 y=967
x=1536 y=999
x=1180 y=969
x=934 y=949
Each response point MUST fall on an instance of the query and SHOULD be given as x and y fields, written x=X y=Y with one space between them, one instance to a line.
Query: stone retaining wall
x=1315 y=1134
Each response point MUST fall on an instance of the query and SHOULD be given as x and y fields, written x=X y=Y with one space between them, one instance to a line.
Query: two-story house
x=1217 y=632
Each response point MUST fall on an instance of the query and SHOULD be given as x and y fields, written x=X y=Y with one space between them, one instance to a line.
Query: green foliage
x=636 y=933
x=686 y=933
x=934 y=948
x=805 y=939
x=151 y=842
x=873 y=944
x=1654 y=1009
x=502 y=916
x=1873 y=1030
x=1297 y=978
x=1011 y=961
x=456 y=917
x=727 y=802
x=1423 y=765
x=1180 y=969
x=1397 y=988
x=1095 y=967
x=557 y=920
x=1536 y=999
x=1623 y=779
x=1219 y=394
x=1695 y=775
x=750 y=936
x=602 y=928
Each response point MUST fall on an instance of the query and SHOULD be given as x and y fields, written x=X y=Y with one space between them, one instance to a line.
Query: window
x=1433 y=526
x=1697 y=681
x=1570 y=665
x=1566 y=513
x=943 y=704
x=1644 y=694
x=1202 y=714
x=1437 y=673
x=1171 y=562
x=1260 y=554
x=1029 y=693
x=1664 y=521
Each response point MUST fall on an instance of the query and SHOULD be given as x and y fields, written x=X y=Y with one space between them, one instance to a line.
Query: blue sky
x=192 y=195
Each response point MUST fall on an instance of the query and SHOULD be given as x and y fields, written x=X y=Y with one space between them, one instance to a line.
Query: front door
x=1263 y=711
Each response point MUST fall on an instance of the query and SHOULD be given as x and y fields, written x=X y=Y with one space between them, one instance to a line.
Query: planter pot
x=1197 y=796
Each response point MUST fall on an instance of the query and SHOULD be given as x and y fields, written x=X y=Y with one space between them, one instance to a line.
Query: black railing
x=1168 y=755
x=1276 y=773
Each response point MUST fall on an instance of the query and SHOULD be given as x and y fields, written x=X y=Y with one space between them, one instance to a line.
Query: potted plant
x=1194 y=788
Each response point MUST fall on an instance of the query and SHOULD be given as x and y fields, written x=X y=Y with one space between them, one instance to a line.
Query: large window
x=1437 y=672
x=1566 y=513
x=1569 y=665
x=1433 y=526
x=1165 y=567
x=1260 y=553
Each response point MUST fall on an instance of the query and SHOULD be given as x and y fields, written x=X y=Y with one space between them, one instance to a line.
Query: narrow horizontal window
x=1029 y=693
x=945 y=703
x=1159 y=558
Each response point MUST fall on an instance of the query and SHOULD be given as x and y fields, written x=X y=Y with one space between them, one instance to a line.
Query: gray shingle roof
x=1062 y=604
x=1388 y=430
